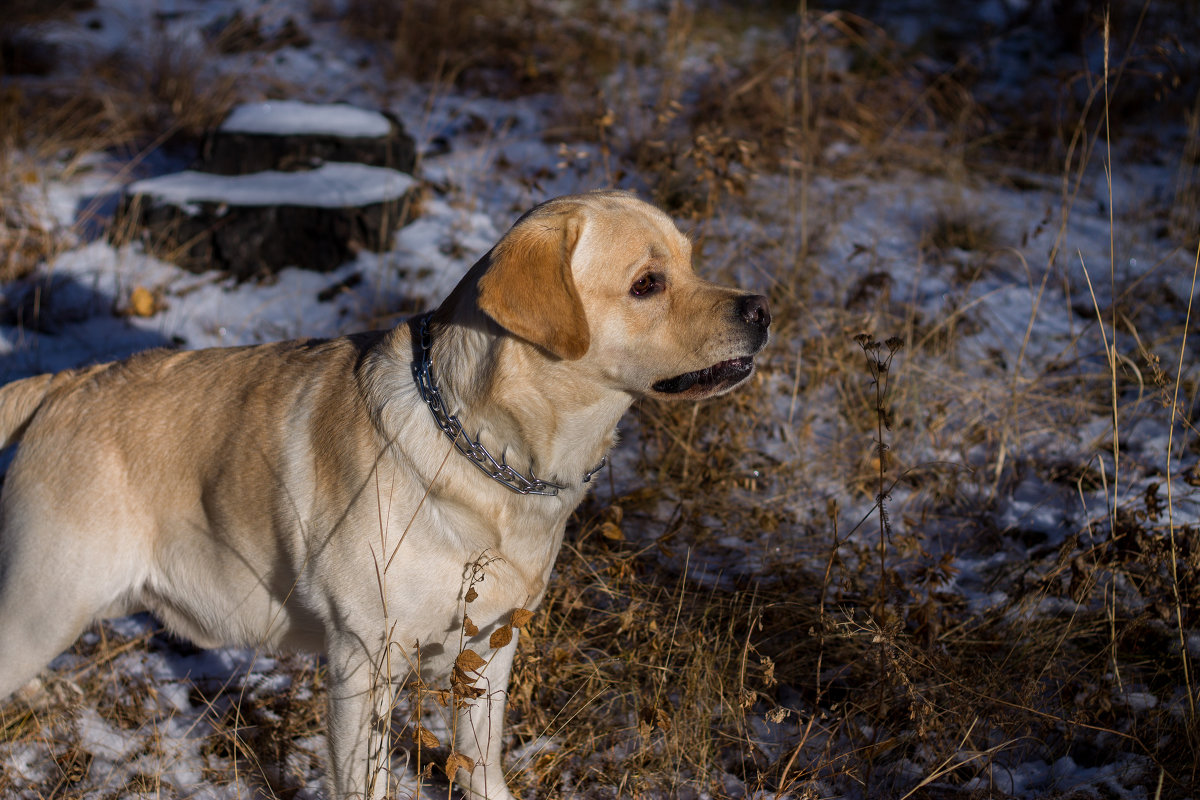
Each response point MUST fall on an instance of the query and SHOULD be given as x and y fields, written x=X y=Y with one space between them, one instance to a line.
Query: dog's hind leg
x=52 y=586
x=35 y=626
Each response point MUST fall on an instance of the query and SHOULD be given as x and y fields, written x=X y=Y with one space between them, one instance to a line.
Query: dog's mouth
x=710 y=380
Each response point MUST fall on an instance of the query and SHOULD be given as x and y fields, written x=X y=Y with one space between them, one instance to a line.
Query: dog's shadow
x=54 y=322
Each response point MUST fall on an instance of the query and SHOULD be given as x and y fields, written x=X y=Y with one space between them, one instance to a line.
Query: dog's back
x=19 y=401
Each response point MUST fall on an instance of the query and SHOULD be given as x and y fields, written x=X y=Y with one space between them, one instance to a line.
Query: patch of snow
x=297 y=118
x=332 y=185
x=134 y=626
x=100 y=738
x=1137 y=700
x=27 y=760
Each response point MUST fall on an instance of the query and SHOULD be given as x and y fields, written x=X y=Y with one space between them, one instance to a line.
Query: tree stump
x=279 y=184
x=289 y=135
x=253 y=225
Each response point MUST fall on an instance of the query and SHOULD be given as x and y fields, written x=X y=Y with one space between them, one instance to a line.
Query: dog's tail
x=19 y=402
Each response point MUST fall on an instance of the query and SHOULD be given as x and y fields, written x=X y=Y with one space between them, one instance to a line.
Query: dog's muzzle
x=754 y=312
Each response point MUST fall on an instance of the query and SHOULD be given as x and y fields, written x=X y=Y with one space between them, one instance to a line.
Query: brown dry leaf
x=469 y=627
x=778 y=714
x=460 y=684
x=500 y=637
x=142 y=303
x=654 y=716
x=464 y=693
x=469 y=661
x=768 y=666
x=471 y=595
x=520 y=617
x=626 y=618
x=611 y=530
x=644 y=729
x=425 y=738
x=457 y=761
x=441 y=696
x=459 y=680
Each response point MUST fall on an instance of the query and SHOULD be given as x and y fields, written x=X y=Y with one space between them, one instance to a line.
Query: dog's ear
x=529 y=288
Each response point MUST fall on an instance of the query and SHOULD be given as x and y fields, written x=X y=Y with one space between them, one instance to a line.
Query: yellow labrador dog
x=347 y=496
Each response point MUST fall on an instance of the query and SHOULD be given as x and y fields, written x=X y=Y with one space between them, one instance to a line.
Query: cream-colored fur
x=300 y=495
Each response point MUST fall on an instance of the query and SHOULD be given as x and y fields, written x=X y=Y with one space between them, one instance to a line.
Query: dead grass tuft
x=165 y=91
x=835 y=93
x=959 y=230
x=643 y=678
x=501 y=48
x=165 y=95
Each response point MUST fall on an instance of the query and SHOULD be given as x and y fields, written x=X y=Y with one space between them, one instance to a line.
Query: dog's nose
x=755 y=310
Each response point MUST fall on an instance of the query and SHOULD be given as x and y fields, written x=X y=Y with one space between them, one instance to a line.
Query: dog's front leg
x=360 y=705
x=479 y=731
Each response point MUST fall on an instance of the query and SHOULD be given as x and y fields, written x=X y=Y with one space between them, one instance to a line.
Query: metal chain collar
x=475 y=452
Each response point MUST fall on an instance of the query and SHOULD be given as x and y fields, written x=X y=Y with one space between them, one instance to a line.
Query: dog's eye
x=646 y=285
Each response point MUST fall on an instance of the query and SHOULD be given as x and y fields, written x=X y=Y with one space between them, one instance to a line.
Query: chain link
x=478 y=455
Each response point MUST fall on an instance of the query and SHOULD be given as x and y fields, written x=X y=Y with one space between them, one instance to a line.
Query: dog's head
x=605 y=280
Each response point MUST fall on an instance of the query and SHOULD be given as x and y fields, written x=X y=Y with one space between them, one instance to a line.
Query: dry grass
x=502 y=48
x=834 y=659
x=124 y=106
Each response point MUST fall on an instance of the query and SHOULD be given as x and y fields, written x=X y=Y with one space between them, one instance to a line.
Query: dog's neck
x=526 y=409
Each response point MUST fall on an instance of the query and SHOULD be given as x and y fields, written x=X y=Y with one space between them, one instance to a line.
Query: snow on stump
x=254 y=225
x=288 y=134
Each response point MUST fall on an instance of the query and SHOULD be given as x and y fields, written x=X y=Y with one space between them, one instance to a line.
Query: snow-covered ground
x=1001 y=446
